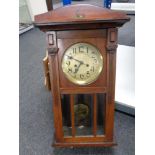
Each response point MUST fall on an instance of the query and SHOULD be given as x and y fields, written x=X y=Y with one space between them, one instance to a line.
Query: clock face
x=82 y=63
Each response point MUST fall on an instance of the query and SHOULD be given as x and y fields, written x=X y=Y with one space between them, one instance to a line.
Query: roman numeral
x=87 y=50
x=74 y=50
x=81 y=49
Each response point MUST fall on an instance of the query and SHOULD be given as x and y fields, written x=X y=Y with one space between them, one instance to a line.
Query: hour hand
x=76 y=69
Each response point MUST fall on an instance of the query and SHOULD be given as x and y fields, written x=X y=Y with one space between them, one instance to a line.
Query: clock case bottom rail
x=88 y=144
x=82 y=144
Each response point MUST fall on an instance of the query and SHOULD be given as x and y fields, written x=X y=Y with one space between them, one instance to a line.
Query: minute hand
x=70 y=57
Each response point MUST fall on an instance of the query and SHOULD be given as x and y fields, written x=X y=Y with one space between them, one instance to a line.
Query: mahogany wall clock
x=81 y=45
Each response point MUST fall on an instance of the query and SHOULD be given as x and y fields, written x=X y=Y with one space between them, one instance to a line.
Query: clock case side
x=54 y=80
x=111 y=46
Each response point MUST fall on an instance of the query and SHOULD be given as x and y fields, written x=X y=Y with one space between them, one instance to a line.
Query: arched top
x=80 y=13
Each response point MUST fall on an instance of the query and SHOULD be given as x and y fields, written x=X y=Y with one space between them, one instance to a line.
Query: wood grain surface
x=73 y=17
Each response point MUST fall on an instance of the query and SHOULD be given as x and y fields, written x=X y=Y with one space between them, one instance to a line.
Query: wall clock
x=81 y=44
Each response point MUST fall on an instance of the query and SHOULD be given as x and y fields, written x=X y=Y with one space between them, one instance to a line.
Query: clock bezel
x=81 y=83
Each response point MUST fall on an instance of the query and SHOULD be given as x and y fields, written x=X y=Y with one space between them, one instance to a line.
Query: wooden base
x=88 y=144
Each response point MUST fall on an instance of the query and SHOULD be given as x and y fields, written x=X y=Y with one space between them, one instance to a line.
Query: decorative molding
x=51 y=42
x=112 y=40
x=112 y=48
x=52 y=51
x=51 y=39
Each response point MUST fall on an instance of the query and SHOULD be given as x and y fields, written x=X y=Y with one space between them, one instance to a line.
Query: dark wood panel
x=104 y=84
x=81 y=144
x=80 y=26
x=84 y=90
x=85 y=139
x=111 y=96
x=53 y=62
x=100 y=43
x=81 y=13
x=72 y=34
x=112 y=40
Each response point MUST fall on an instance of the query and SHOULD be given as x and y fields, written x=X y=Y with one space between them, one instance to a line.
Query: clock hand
x=76 y=69
x=70 y=57
x=81 y=63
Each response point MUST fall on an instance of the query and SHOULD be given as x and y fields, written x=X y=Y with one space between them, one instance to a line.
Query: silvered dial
x=82 y=63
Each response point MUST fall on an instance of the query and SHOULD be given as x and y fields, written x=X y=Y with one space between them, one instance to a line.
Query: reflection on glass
x=101 y=103
x=83 y=114
x=66 y=119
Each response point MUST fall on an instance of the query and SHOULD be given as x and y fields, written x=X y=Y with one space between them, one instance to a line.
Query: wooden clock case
x=64 y=27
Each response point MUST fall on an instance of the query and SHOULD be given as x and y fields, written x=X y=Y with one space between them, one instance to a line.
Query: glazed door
x=84 y=117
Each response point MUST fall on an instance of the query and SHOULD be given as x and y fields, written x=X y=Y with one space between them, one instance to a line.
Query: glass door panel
x=83 y=114
x=66 y=118
x=101 y=100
